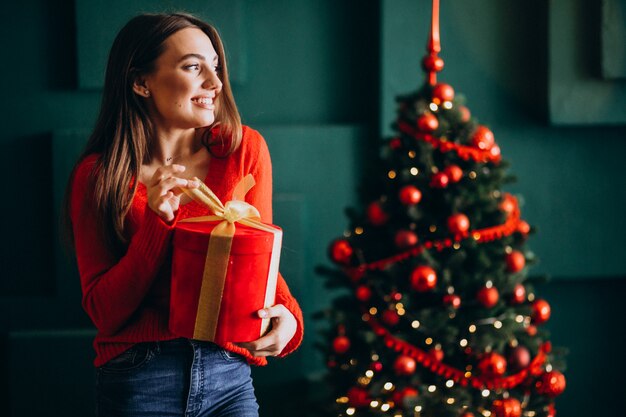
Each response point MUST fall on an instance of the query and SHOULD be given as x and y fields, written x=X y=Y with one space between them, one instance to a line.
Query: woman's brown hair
x=123 y=132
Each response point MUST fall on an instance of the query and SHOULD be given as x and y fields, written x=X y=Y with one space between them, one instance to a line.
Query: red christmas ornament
x=523 y=227
x=406 y=392
x=518 y=358
x=551 y=384
x=377 y=366
x=515 y=261
x=341 y=344
x=376 y=215
x=390 y=317
x=395 y=143
x=507 y=407
x=492 y=364
x=465 y=114
x=405 y=239
x=363 y=293
x=404 y=365
x=551 y=410
x=495 y=150
x=432 y=63
x=395 y=296
x=423 y=278
x=358 y=397
x=483 y=138
x=410 y=195
x=531 y=330
x=443 y=92
x=439 y=180
x=454 y=173
x=488 y=296
x=427 y=122
x=458 y=224
x=452 y=300
x=436 y=354
x=340 y=251
x=541 y=311
x=519 y=294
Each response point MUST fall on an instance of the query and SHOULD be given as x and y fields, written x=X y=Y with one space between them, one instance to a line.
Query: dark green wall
x=317 y=78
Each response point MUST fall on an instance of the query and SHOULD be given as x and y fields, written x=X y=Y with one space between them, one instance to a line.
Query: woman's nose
x=213 y=82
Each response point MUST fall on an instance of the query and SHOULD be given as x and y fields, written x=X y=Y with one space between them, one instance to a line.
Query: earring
x=147 y=93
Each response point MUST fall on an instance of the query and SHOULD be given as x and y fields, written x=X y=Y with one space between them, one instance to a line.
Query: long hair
x=123 y=133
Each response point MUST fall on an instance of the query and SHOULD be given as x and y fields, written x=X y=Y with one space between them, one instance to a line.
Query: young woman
x=168 y=118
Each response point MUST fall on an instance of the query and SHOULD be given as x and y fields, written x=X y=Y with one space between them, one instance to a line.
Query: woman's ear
x=140 y=87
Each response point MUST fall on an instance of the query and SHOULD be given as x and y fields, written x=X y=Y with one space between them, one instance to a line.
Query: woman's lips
x=204 y=102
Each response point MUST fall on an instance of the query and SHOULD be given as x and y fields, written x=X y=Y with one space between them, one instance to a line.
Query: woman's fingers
x=165 y=172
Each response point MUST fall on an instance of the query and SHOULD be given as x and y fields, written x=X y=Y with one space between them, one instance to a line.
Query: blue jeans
x=175 y=378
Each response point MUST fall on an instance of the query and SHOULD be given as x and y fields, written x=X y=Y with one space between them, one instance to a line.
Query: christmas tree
x=440 y=317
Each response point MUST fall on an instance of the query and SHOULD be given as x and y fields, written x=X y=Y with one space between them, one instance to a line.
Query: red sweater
x=128 y=298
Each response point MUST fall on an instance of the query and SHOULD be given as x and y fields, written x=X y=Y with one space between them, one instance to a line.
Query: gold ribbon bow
x=218 y=252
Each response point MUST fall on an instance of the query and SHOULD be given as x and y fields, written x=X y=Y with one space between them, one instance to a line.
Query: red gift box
x=224 y=269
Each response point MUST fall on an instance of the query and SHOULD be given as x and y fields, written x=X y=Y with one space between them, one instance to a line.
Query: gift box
x=224 y=269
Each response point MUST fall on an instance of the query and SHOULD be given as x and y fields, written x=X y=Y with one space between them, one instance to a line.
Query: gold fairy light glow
x=489 y=284
x=456 y=245
x=449 y=383
x=401 y=312
x=433 y=107
x=411 y=154
x=476 y=235
x=450 y=400
x=391 y=174
x=414 y=171
x=358 y=230
x=342 y=400
x=374 y=404
x=548 y=368
x=468 y=374
x=388 y=386
x=432 y=228
x=364 y=380
x=418 y=408
x=463 y=342
x=385 y=407
x=429 y=340
x=472 y=175
x=375 y=357
x=485 y=393
x=519 y=318
x=415 y=324
x=369 y=373
x=432 y=388
x=373 y=311
x=497 y=324
x=531 y=297
x=472 y=328
x=365 y=317
x=350 y=411
x=486 y=413
x=353 y=362
x=447 y=105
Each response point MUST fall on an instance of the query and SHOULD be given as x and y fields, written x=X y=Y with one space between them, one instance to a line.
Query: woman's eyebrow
x=198 y=56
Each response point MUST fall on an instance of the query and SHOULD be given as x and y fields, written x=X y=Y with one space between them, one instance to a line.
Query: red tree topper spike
x=432 y=63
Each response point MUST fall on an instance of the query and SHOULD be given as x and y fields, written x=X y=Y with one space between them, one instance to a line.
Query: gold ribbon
x=218 y=252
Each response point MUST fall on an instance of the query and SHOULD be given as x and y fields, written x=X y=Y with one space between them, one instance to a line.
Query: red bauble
x=452 y=300
x=341 y=344
x=390 y=317
x=518 y=358
x=410 y=195
x=458 y=224
x=406 y=392
x=465 y=114
x=432 y=63
x=454 y=173
x=443 y=92
x=363 y=293
x=340 y=251
x=495 y=150
x=358 y=397
x=405 y=239
x=519 y=294
x=377 y=366
x=427 y=122
x=423 y=278
x=436 y=354
x=488 y=296
x=508 y=407
x=551 y=384
x=483 y=138
x=515 y=261
x=404 y=365
x=492 y=364
x=541 y=311
x=376 y=215
x=439 y=180
x=395 y=143
x=523 y=227
x=551 y=410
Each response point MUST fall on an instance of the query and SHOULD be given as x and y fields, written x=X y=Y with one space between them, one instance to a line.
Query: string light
x=365 y=317
x=350 y=411
x=432 y=228
x=456 y=245
x=485 y=393
x=373 y=311
x=432 y=388
x=463 y=342
x=391 y=174
x=384 y=407
x=369 y=373
x=429 y=341
x=497 y=324
x=519 y=318
x=433 y=107
x=449 y=383
x=418 y=408
x=447 y=105
x=472 y=175
x=489 y=284
x=411 y=154
x=342 y=400
x=414 y=171
x=358 y=230
x=548 y=368
x=388 y=386
x=531 y=297
x=450 y=400
x=374 y=404
x=472 y=328
x=415 y=324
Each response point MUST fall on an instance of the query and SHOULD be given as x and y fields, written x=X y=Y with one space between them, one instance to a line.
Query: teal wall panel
x=613 y=39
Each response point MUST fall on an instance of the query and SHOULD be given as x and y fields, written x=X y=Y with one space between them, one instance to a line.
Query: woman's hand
x=284 y=326
x=164 y=190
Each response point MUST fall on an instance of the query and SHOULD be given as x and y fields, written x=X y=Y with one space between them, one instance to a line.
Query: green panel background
x=317 y=78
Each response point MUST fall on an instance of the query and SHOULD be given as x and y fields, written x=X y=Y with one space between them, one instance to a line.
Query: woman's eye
x=192 y=67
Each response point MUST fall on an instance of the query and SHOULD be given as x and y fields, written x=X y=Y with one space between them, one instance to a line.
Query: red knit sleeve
x=260 y=196
x=113 y=288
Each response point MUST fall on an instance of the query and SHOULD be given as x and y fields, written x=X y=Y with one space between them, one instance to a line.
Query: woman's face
x=184 y=85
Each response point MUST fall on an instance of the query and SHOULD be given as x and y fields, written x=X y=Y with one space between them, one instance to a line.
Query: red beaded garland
x=423 y=278
x=492 y=364
x=358 y=397
x=507 y=407
x=410 y=195
x=436 y=354
x=405 y=239
x=523 y=227
x=406 y=392
x=452 y=300
x=488 y=296
x=390 y=317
